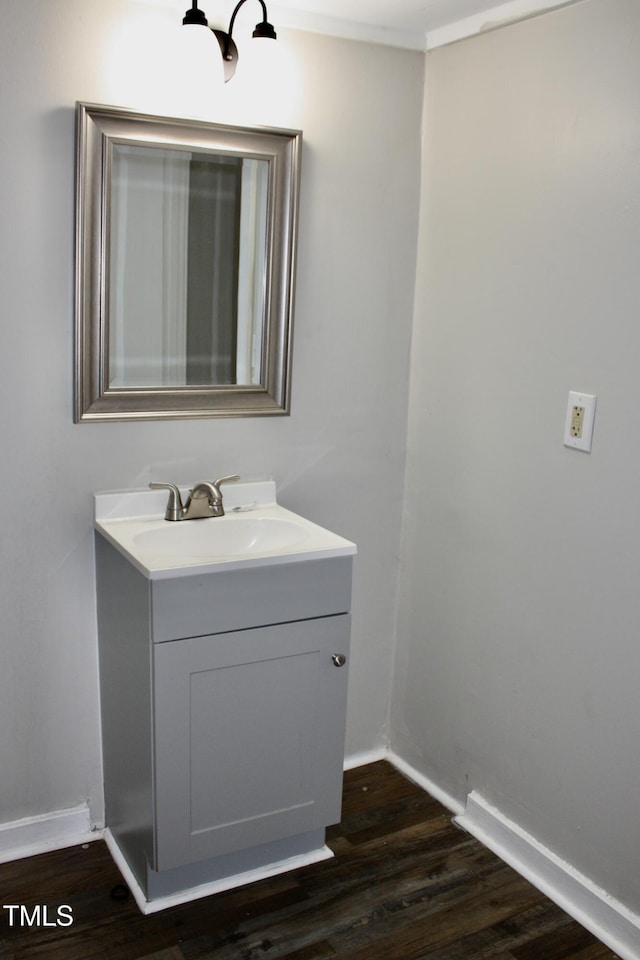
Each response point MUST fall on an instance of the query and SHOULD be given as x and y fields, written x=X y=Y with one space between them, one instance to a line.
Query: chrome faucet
x=205 y=500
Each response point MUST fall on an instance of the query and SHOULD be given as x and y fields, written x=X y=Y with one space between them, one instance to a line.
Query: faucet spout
x=205 y=500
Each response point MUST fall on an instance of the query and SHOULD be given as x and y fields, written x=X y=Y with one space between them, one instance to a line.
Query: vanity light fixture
x=263 y=31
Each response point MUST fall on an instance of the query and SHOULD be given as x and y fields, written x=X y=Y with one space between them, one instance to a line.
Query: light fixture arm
x=259 y=31
x=227 y=43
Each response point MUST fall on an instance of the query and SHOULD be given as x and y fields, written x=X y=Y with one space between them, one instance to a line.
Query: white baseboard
x=207 y=889
x=367 y=756
x=608 y=919
x=51 y=831
x=429 y=786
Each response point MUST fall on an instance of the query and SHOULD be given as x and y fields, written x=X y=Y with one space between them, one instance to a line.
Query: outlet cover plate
x=578 y=427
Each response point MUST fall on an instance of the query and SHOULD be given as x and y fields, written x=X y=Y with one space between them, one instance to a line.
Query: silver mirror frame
x=97 y=127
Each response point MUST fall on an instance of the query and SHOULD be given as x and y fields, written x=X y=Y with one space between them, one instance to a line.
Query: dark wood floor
x=404 y=884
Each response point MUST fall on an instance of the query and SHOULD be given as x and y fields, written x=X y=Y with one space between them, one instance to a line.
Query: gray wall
x=518 y=654
x=359 y=108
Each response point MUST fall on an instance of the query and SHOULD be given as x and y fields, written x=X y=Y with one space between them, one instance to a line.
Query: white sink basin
x=237 y=535
x=254 y=532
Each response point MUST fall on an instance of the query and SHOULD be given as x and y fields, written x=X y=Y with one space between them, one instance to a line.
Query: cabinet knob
x=339 y=659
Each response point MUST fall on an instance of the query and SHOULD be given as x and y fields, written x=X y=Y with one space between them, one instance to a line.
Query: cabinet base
x=169 y=888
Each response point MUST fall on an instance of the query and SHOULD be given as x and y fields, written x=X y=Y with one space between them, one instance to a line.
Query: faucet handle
x=216 y=483
x=174 y=506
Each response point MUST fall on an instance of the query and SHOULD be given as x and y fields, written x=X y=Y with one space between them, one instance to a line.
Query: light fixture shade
x=258 y=61
x=200 y=63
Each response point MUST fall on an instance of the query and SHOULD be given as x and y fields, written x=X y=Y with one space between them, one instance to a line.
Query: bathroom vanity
x=223 y=669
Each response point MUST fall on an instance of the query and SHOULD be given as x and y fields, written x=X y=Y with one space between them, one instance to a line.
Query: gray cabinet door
x=249 y=737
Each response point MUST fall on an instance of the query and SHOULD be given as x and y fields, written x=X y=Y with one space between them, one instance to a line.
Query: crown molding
x=502 y=15
x=315 y=21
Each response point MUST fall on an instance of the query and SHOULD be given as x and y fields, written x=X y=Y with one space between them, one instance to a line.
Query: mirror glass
x=187 y=260
x=185 y=251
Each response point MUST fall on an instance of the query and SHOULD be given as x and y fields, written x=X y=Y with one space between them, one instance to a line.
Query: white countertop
x=255 y=531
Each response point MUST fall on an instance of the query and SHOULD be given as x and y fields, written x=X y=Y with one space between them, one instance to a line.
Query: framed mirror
x=185 y=267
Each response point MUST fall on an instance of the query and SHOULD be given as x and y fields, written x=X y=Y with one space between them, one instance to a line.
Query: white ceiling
x=417 y=24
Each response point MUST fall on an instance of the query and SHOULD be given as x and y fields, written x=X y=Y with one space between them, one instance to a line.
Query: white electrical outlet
x=578 y=427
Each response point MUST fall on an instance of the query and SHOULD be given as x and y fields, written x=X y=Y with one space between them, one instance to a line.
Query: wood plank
x=315 y=951
x=171 y=953
x=566 y=941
